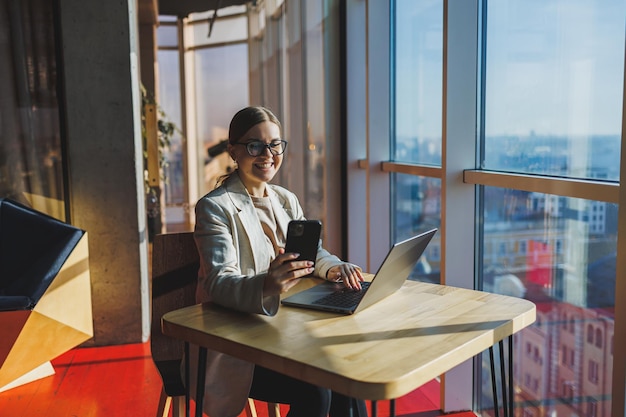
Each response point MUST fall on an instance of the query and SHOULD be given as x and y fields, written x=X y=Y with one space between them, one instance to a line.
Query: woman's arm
x=218 y=234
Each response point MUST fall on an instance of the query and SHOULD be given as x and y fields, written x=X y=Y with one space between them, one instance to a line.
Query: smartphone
x=303 y=237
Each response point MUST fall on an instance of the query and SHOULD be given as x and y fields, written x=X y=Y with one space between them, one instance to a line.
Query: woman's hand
x=348 y=273
x=285 y=272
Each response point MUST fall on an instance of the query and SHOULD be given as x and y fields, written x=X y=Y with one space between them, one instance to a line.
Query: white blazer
x=234 y=258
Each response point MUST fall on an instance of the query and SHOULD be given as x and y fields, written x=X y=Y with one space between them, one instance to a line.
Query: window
x=217 y=103
x=599 y=341
x=545 y=79
x=315 y=135
x=31 y=153
x=535 y=386
x=551 y=106
x=593 y=371
x=418 y=81
x=417 y=209
x=417 y=125
x=592 y=408
x=293 y=50
x=170 y=103
x=544 y=120
x=195 y=163
x=568 y=391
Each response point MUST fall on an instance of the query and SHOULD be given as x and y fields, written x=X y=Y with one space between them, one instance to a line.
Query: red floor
x=120 y=381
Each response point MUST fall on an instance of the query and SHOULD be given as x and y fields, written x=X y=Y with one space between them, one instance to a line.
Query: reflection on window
x=167 y=35
x=314 y=157
x=216 y=86
x=170 y=102
x=417 y=208
x=418 y=81
x=217 y=101
x=30 y=140
x=572 y=284
x=554 y=76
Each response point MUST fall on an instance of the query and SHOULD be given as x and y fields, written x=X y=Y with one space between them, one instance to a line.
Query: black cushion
x=17 y=302
x=33 y=248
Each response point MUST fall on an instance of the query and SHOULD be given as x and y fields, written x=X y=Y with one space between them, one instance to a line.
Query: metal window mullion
x=566 y=187
x=458 y=218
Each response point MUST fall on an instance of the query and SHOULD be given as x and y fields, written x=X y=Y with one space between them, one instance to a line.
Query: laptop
x=395 y=269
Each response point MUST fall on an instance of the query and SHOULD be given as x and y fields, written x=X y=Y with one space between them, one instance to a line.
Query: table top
x=383 y=352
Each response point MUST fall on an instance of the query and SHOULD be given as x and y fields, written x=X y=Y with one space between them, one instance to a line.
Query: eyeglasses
x=256 y=147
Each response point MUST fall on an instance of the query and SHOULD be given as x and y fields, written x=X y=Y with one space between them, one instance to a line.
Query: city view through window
x=552 y=99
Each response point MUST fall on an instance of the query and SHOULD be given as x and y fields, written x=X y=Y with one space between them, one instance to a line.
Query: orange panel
x=61 y=320
x=11 y=323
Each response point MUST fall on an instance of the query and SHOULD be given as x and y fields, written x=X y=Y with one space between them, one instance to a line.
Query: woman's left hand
x=348 y=273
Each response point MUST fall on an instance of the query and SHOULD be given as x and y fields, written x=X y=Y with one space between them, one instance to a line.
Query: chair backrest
x=175 y=264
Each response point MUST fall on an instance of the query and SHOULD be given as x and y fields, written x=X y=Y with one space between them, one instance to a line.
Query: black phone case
x=303 y=237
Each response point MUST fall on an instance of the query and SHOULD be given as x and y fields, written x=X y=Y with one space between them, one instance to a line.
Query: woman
x=240 y=233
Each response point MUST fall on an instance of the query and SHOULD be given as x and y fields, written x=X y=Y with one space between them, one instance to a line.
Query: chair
x=45 y=292
x=175 y=263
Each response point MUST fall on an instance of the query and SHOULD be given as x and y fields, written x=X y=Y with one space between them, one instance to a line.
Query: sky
x=553 y=67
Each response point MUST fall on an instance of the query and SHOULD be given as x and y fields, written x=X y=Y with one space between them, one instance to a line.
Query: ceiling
x=182 y=8
x=149 y=10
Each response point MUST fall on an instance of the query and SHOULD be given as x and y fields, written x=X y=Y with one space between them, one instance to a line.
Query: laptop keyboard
x=344 y=297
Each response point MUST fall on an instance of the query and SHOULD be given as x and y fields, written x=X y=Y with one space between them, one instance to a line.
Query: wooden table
x=383 y=352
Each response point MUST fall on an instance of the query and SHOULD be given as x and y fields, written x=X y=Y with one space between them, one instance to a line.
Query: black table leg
x=494 y=388
x=201 y=380
x=508 y=403
x=374 y=409
x=511 y=402
x=505 y=393
x=187 y=379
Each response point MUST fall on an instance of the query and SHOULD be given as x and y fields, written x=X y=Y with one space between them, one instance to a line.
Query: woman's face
x=256 y=171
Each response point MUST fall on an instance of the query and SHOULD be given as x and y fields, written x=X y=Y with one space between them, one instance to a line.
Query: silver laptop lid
x=396 y=268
